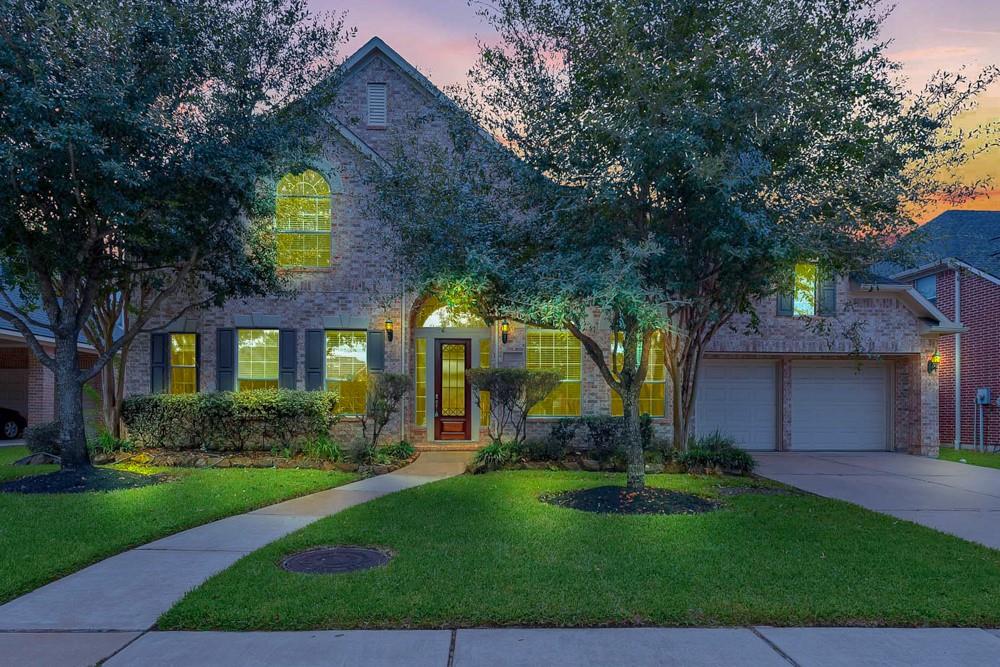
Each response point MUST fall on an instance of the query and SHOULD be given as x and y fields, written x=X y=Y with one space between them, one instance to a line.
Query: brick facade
x=361 y=291
x=979 y=347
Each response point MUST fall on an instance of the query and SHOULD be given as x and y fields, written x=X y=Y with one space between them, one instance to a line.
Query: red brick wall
x=980 y=354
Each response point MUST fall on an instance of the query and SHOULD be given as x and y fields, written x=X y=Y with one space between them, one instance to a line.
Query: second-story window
x=804 y=291
x=927 y=286
x=303 y=220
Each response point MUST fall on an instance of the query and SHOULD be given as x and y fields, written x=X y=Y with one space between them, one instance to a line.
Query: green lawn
x=43 y=537
x=10 y=454
x=482 y=550
x=971 y=457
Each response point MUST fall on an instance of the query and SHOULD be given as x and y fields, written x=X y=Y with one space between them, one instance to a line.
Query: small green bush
x=323 y=448
x=717 y=451
x=399 y=450
x=496 y=455
x=105 y=443
x=259 y=420
x=43 y=438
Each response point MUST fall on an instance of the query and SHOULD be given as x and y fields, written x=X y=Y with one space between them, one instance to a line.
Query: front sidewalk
x=691 y=647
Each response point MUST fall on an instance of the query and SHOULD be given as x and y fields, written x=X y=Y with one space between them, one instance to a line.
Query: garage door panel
x=738 y=399
x=839 y=406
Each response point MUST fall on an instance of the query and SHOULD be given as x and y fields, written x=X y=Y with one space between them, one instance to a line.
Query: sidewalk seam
x=122 y=648
x=774 y=647
x=451 y=648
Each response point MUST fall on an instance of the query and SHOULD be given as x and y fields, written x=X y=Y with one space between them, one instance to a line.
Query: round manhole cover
x=335 y=560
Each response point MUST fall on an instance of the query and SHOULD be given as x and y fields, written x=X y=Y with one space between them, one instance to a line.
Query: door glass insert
x=452 y=380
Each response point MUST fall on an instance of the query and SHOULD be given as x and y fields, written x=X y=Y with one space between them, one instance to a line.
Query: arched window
x=302 y=220
x=433 y=313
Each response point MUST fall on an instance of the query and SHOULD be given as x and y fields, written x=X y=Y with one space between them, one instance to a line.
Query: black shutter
x=225 y=359
x=786 y=304
x=159 y=344
x=315 y=358
x=287 y=359
x=376 y=351
x=826 y=295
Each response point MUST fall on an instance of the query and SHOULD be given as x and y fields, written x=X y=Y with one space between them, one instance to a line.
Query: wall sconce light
x=504 y=330
x=933 y=362
x=388 y=330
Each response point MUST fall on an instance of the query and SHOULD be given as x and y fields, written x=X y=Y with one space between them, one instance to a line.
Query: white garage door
x=738 y=399
x=839 y=406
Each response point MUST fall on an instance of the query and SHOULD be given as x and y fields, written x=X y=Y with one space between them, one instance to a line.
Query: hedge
x=230 y=421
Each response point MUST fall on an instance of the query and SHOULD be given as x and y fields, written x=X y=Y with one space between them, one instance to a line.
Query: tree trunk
x=679 y=422
x=635 y=461
x=69 y=404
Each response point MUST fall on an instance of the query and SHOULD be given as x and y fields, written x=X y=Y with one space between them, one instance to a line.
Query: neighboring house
x=25 y=384
x=958 y=269
x=787 y=387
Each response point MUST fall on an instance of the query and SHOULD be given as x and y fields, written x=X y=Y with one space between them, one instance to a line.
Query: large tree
x=136 y=135
x=669 y=161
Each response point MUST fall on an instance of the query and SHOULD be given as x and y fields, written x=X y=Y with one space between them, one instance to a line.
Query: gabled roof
x=43 y=333
x=970 y=237
x=376 y=44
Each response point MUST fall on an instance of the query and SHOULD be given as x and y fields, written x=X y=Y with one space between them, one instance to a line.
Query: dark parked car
x=11 y=424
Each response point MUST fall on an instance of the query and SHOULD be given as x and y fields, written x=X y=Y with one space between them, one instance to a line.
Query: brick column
x=41 y=392
x=929 y=438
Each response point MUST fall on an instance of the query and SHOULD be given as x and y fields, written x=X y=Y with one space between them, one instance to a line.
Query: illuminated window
x=433 y=313
x=804 y=293
x=421 y=417
x=302 y=220
x=347 y=369
x=652 y=395
x=484 y=396
x=557 y=351
x=183 y=363
x=257 y=359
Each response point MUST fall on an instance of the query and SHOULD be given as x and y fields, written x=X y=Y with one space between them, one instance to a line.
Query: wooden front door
x=452 y=397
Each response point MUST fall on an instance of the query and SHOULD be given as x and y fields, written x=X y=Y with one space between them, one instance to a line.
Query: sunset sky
x=439 y=38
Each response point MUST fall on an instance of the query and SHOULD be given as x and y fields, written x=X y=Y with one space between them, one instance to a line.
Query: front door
x=452 y=398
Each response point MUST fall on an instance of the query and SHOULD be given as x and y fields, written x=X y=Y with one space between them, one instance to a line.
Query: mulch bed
x=76 y=481
x=617 y=500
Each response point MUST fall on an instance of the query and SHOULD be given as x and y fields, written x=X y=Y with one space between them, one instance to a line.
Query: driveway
x=955 y=498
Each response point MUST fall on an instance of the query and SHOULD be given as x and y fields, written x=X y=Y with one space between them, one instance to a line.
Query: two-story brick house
x=786 y=387
x=958 y=269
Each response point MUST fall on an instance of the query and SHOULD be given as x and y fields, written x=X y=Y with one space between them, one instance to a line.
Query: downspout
x=958 y=361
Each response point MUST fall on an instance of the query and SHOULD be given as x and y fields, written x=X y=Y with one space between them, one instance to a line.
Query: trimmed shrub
x=399 y=450
x=259 y=420
x=496 y=455
x=717 y=451
x=43 y=438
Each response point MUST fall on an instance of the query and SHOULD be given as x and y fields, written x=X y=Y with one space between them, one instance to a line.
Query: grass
x=972 y=457
x=46 y=536
x=7 y=471
x=483 y=551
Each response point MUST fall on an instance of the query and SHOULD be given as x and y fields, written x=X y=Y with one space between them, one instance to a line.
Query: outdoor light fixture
x=388 y=330
x=504 y=330
x=933 y=362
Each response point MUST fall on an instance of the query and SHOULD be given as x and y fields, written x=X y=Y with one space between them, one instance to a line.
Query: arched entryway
x=447 y=342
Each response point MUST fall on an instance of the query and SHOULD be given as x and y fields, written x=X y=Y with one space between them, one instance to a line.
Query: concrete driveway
x=955 y=498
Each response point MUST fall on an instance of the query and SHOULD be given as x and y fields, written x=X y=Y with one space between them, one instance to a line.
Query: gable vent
x=376 y=104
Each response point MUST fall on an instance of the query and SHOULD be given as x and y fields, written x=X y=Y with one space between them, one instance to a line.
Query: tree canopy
x=138 y=136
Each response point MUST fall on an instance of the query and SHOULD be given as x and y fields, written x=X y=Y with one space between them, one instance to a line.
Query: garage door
x=738 y=399
x=839 y=406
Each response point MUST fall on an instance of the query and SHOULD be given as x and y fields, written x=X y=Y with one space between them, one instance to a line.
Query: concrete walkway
x=125 y=594
x=955 y=498
x=691 y=647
